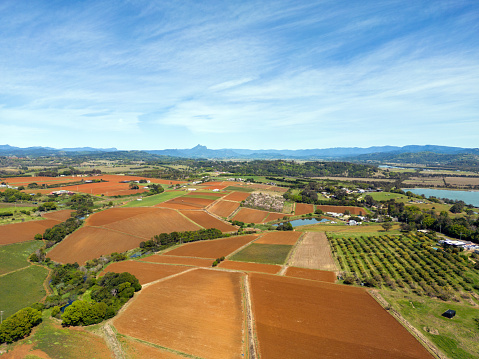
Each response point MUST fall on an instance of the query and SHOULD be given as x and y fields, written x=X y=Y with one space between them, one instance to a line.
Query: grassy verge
x=155 y=199
x=263 y=253
x=14 y=256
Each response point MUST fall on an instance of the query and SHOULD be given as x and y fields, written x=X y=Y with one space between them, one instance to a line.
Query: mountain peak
x=199 y=147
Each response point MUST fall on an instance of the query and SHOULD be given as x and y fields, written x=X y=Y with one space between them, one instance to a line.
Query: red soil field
x=250 y=267
x=215 y=187
x=25 y=231
x=223 y=208
x=297 y=318
x=187 y=261
x=114 y=214
x=176 y=206
x=275 y=216
x=278 y=189
x=61 y=216
x=190 y=201
x=213 y=249
x=207 y=221
x=357 y=211
x=212 y=183
x=314 y=274
x=237 y=196
x=248 y=215
x=211 y=194
x=280 y=237
x=197 y=313
x=92 y=242
x=134 y=349
x=145 y=272
x=106 y=188
x=303 y=208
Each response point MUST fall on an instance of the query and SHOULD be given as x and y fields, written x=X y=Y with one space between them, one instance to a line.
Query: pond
x=469 y=197
x=305 y=221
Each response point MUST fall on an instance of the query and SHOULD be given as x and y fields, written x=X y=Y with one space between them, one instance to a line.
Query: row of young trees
x=164 y=240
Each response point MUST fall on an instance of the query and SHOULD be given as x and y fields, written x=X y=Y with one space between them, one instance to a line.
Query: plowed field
x=249 y=215
x=250 y=267
x=134 y=349
x=114 y=214
x=197 y=313
x=207 y=221
x=212 y=249
x=25 y=231
x=357 y=211
x=280 y=237
x=61 y=216
x=187 y=261
x=303 y=208
x=275 y=216
x=313 y=252
x=189 y=201
x=215 y=187
x=237 y=196
x=297 y=318
x=209 y=194
x=145 y=272
x=223 y=208
x=321 y=275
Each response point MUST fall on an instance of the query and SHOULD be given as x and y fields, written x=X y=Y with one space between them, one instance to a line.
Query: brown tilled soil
x=212 y=249
x=187 y=261
x=134 y=349
x=61 y=216
x=248 y=215
x=223 y=208
x=198 y=313
x=303 y=208
x=237 y=196
x=313 y=252
x=313 y=274
x=145 y=272
x=298 y=318
x=211 y=194
x=25 y=231
x=115 y=214
x=275 y=216
x=250 y=267
x=190 y=201
x=280 y=237
x=207 y=221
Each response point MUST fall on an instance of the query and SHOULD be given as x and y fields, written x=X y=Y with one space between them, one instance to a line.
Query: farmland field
x=179 y=260
x=250 y=267
x=213 y=249
x=280 y=237
x=190 y=201
x=248 y=215
x=313 y=274
x=194 y=317
x=24 y=231
x=15 y=256
x=298 y=318
x=207 y=221
x=357 y=211
x=239 y=189
x=263 y=253
x=313 y=252
x=303 y=208
x=223 y=208
x=237 y=196
x=155 y=199
x=61 y=216
x=275 y=216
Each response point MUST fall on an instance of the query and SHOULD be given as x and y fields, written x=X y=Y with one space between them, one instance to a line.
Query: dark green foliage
x=58 y=232
x=155 y=188
x=84 y=313
x=82 y=203
x=285 y=227
x=12 y=195
x=55 y=311
x=19 y=325
x=167 y=239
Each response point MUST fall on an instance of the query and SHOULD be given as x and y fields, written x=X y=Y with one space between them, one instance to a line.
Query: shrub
x=19 y=325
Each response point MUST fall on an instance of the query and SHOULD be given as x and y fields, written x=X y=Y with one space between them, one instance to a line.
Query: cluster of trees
x=167 y=239
x=218 y=261
x=82 y=204
x=58 y=232
x=12 y=195
x=19 y=325
x=287 y=226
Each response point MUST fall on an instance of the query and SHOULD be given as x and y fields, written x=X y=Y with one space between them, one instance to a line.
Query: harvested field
x=208 y=194
x=313 y=252
x=263 y=253
x=25 y=231
x=280 y=237
x=113 y=215
x=207 y=221
x=298 y=318
x=237 y=196
x=275 y=216
x=61 y=216
x=145 y=272
x=213 y=249
x=303 y=208
x=135 y=349
x=357 y=211
x=249 y=215
x=176 y=206
x=194 y=316
x=250 y=267
x=92 y=242
x=223 y=208
x=313 y=274
x=179 y=260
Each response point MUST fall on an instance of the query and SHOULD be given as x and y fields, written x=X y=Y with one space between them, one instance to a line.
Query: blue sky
x=239 y=74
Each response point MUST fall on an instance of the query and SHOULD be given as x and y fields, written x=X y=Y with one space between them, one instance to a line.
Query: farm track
x=112 y=341
x=250 y=320
x=13 y=271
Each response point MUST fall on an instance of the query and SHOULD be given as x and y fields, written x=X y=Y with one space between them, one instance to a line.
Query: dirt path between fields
x=250 y=320
x=112 y=341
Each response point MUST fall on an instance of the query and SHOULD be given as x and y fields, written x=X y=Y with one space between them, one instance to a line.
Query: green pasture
x=14 y=256
x=239 y=189
x=263 y=253
x=155 y=199
x=385 y=196
x=341 y=229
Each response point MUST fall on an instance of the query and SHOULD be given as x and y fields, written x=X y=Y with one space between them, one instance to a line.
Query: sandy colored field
x=135 y=349
x=298 y=318
x=237 y=196
x=303 y=208
x=212 y=183
x=223 y=208
x=92 y=242
x=275 y=216
x=61 y=216
x=145 y=272
x=192 y=201
x=25 y=231
x=357 y=211
x=207 y=221
x=198 y=313
x=114 y=214
x=314 y=274
x=179 y=260
x=313 y=252
x=280 y=237
x=250 y=267
x=249 y=215
x=215 y=248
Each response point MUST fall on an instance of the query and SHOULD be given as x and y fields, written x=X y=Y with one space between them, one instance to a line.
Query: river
x=469 y=197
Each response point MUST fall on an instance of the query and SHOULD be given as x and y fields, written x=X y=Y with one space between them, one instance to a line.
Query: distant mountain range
x=376 y=153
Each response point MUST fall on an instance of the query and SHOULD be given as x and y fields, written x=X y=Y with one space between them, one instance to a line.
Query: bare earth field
x=200 y=314
x=280 y=237
x=313 y=252
x=135 y=349
x=275 y=216
x=250 y=267
x=237 y=196
x=313 y=274
x=303 y=208
x=114 y=214
x=213 y=249
x=248 y=215
x=191 y=201
x=61 y=216
x=179 y=260
x=145 y=272
x=223 y=208
x=25 y=231
x=207 y=221
x=298 y=318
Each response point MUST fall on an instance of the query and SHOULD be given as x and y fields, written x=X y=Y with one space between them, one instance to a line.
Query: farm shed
x=449 y=313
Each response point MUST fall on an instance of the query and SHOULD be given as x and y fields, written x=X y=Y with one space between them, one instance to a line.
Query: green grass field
x=14 y=256
x=263 y=253
x=385 y=196
x=21 y=289
x=239 y=189
x=349 y=231
x=458 y=337
x=155 y=199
